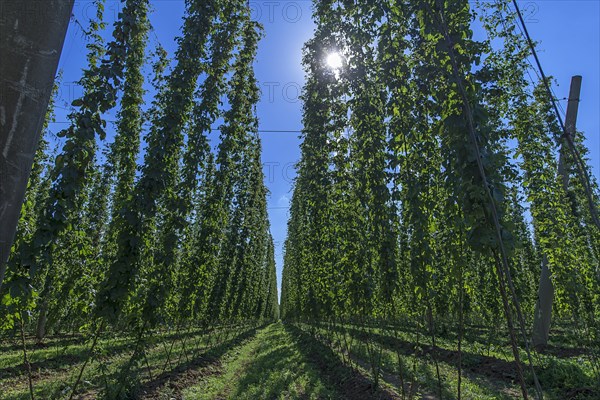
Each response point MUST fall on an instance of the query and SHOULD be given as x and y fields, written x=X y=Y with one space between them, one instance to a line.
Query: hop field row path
x=272 y=365
x=281 y=361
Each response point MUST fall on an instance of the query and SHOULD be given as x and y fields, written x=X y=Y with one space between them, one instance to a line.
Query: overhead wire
x=539 y=64
x=539 y=78
x=581 y=167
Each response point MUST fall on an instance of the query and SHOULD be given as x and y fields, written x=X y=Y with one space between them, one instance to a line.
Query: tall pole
x=543 y=307
x=570 y=129
x=32 y=33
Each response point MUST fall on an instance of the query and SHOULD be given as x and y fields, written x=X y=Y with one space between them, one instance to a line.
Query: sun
x=335 y=61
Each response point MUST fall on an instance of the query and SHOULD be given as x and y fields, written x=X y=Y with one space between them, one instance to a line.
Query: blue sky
x=568 y=32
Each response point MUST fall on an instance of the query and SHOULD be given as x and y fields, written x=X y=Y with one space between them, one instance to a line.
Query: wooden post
x=543 y=307
x=32 y=33
x=570 y=129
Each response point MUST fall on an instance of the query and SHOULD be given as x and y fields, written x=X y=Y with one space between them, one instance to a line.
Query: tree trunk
x=32 y=34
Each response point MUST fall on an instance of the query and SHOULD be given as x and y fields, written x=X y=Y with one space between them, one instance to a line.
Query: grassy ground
x=488 y=368
x=285 y=361
x=56 y=364
x=272 y=366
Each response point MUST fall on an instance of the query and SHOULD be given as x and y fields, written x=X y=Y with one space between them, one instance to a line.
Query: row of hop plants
x=429 y=191
x=118 y=238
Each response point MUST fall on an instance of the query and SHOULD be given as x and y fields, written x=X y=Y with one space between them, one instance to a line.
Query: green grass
x=285 y=361
x=57 y=366
x=272 y=366
x=488 y=371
